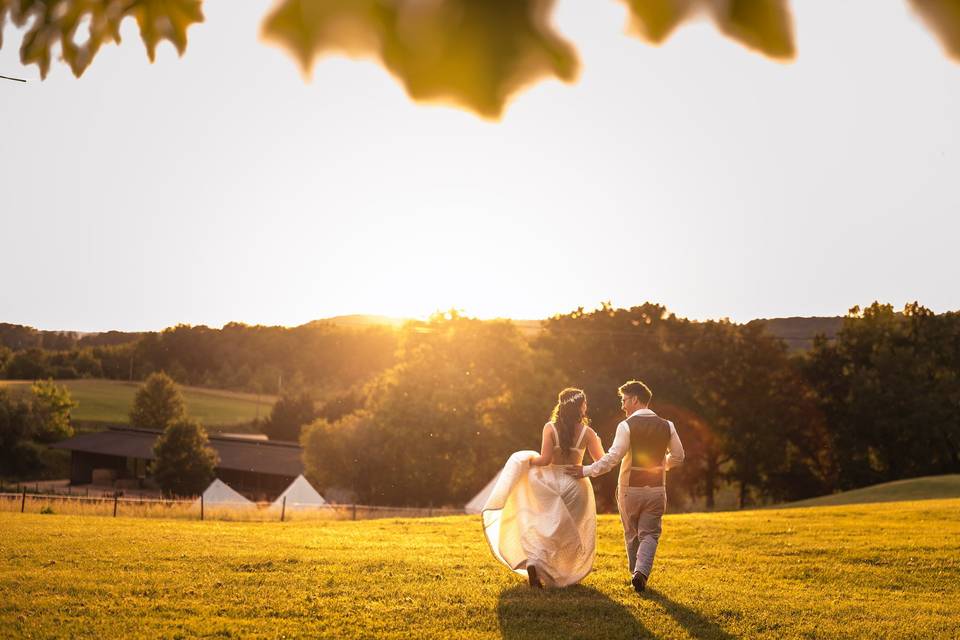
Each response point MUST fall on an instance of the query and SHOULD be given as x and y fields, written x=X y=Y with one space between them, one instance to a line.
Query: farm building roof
x=236 y=452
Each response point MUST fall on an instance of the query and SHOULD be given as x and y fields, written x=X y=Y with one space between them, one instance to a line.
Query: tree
x=157 y=404
x=436 y=427
x=889 y=387
x=474 y=53
x=17 y=457
x=289 y=415
x=30 y=364
x=50 y=411
x=184 y=463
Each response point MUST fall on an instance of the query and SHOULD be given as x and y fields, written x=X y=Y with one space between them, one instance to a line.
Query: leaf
x=476 y=53
x=55 y=22
x=765 y=26
x=655 y=20
x=943 y=18
x=165 y=20
x=4 y=9
x=308 y=28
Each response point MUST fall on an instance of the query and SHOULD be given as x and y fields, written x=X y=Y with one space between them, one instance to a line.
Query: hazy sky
x=220 y=186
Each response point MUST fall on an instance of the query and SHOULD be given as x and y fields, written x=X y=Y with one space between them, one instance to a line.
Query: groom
x=647 y=445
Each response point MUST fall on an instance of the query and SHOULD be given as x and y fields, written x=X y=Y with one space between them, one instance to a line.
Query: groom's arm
x=674 y=449
x=619 y=448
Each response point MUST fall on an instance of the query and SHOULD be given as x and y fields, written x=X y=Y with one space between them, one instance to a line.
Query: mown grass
x=109 y=401
x=867 y=571
x=946 y=486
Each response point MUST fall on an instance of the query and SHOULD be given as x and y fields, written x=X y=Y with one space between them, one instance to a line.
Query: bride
x=539 y=521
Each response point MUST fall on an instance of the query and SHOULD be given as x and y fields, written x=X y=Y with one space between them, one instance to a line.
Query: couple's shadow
x=583 y=612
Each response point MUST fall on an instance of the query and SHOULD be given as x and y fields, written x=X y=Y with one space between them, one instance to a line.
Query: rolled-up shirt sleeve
x=674 y=449
x=621 y=443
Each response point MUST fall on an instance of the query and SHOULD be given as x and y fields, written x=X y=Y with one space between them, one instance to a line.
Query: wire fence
x=114 y=505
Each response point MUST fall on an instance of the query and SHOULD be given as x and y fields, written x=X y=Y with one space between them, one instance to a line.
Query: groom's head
x=634 y=395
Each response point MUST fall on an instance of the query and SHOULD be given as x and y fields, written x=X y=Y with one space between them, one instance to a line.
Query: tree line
x=877 y=402
x=427 y=413
x=319 y=355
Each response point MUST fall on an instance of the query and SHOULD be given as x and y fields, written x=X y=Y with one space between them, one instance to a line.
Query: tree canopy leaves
x=59 y=22
x=474 y=53
x=157 y=404
x=185 y=462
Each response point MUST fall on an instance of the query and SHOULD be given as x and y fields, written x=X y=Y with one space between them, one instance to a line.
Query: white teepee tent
x=476 y=503
x=219 y=494
x=300 y=495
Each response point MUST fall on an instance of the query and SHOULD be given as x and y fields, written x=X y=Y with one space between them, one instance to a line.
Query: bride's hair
x=568 y=414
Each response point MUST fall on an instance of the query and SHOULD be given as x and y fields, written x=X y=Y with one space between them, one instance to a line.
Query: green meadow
x=889 y=570
x=945 y=486
x=109 y=401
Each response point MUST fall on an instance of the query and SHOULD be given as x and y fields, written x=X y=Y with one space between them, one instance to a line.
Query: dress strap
x=583 y=432
x=556 y=435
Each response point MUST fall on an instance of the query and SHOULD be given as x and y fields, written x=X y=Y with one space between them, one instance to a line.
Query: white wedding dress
x=542 y=516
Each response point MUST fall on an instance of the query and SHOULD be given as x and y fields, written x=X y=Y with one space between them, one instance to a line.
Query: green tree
x=17 y=457
x=437 y=426
x=50 y=411
x=185 y=462
x=157 y=404
x=889 y=387
x=289 y=415
x=30 y=364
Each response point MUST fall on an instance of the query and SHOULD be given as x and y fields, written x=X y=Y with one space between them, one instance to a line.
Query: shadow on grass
x=573 y=612
x=582 y=612
x=695 y=623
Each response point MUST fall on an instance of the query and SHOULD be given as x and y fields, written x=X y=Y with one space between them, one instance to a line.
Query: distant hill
x=798 y=332
x=360 y=320
x=110 y=401
x=926 y=488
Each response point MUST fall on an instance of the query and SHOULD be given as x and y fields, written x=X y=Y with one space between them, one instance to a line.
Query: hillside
x=883 y=571
x=928 y=488
x=109 y=401
x=798 y=333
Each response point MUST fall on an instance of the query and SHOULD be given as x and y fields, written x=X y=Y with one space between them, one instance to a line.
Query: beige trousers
x=641 y=512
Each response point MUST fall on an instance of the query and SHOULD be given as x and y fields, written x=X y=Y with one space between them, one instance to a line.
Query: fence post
x=354 y=511
x=283 y=508
x=201 y=507
x=23 y=502
x=116 y=499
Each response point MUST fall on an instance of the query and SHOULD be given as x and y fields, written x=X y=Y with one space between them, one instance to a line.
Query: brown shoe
x=532 y=577
x=639 y=582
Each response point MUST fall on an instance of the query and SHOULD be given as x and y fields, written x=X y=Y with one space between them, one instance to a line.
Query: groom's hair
x=636 y=389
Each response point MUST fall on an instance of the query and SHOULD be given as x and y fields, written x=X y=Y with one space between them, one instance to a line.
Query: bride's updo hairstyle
x=568 y=414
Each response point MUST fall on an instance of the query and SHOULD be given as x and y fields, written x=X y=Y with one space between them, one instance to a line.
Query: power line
x=14 y=79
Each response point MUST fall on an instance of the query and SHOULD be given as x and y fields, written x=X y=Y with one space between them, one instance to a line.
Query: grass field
x=110 y=401
x=946 y=486
x=867 y=571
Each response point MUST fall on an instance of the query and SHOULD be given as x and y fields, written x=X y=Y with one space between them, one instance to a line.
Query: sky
x=222 y=186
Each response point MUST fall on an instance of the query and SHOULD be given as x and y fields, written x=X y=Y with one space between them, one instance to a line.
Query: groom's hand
x=574 y=470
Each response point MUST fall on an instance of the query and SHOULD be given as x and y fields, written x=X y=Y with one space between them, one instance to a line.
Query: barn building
x=259 y=469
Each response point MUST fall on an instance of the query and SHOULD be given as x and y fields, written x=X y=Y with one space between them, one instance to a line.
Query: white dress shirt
x=620 y=452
